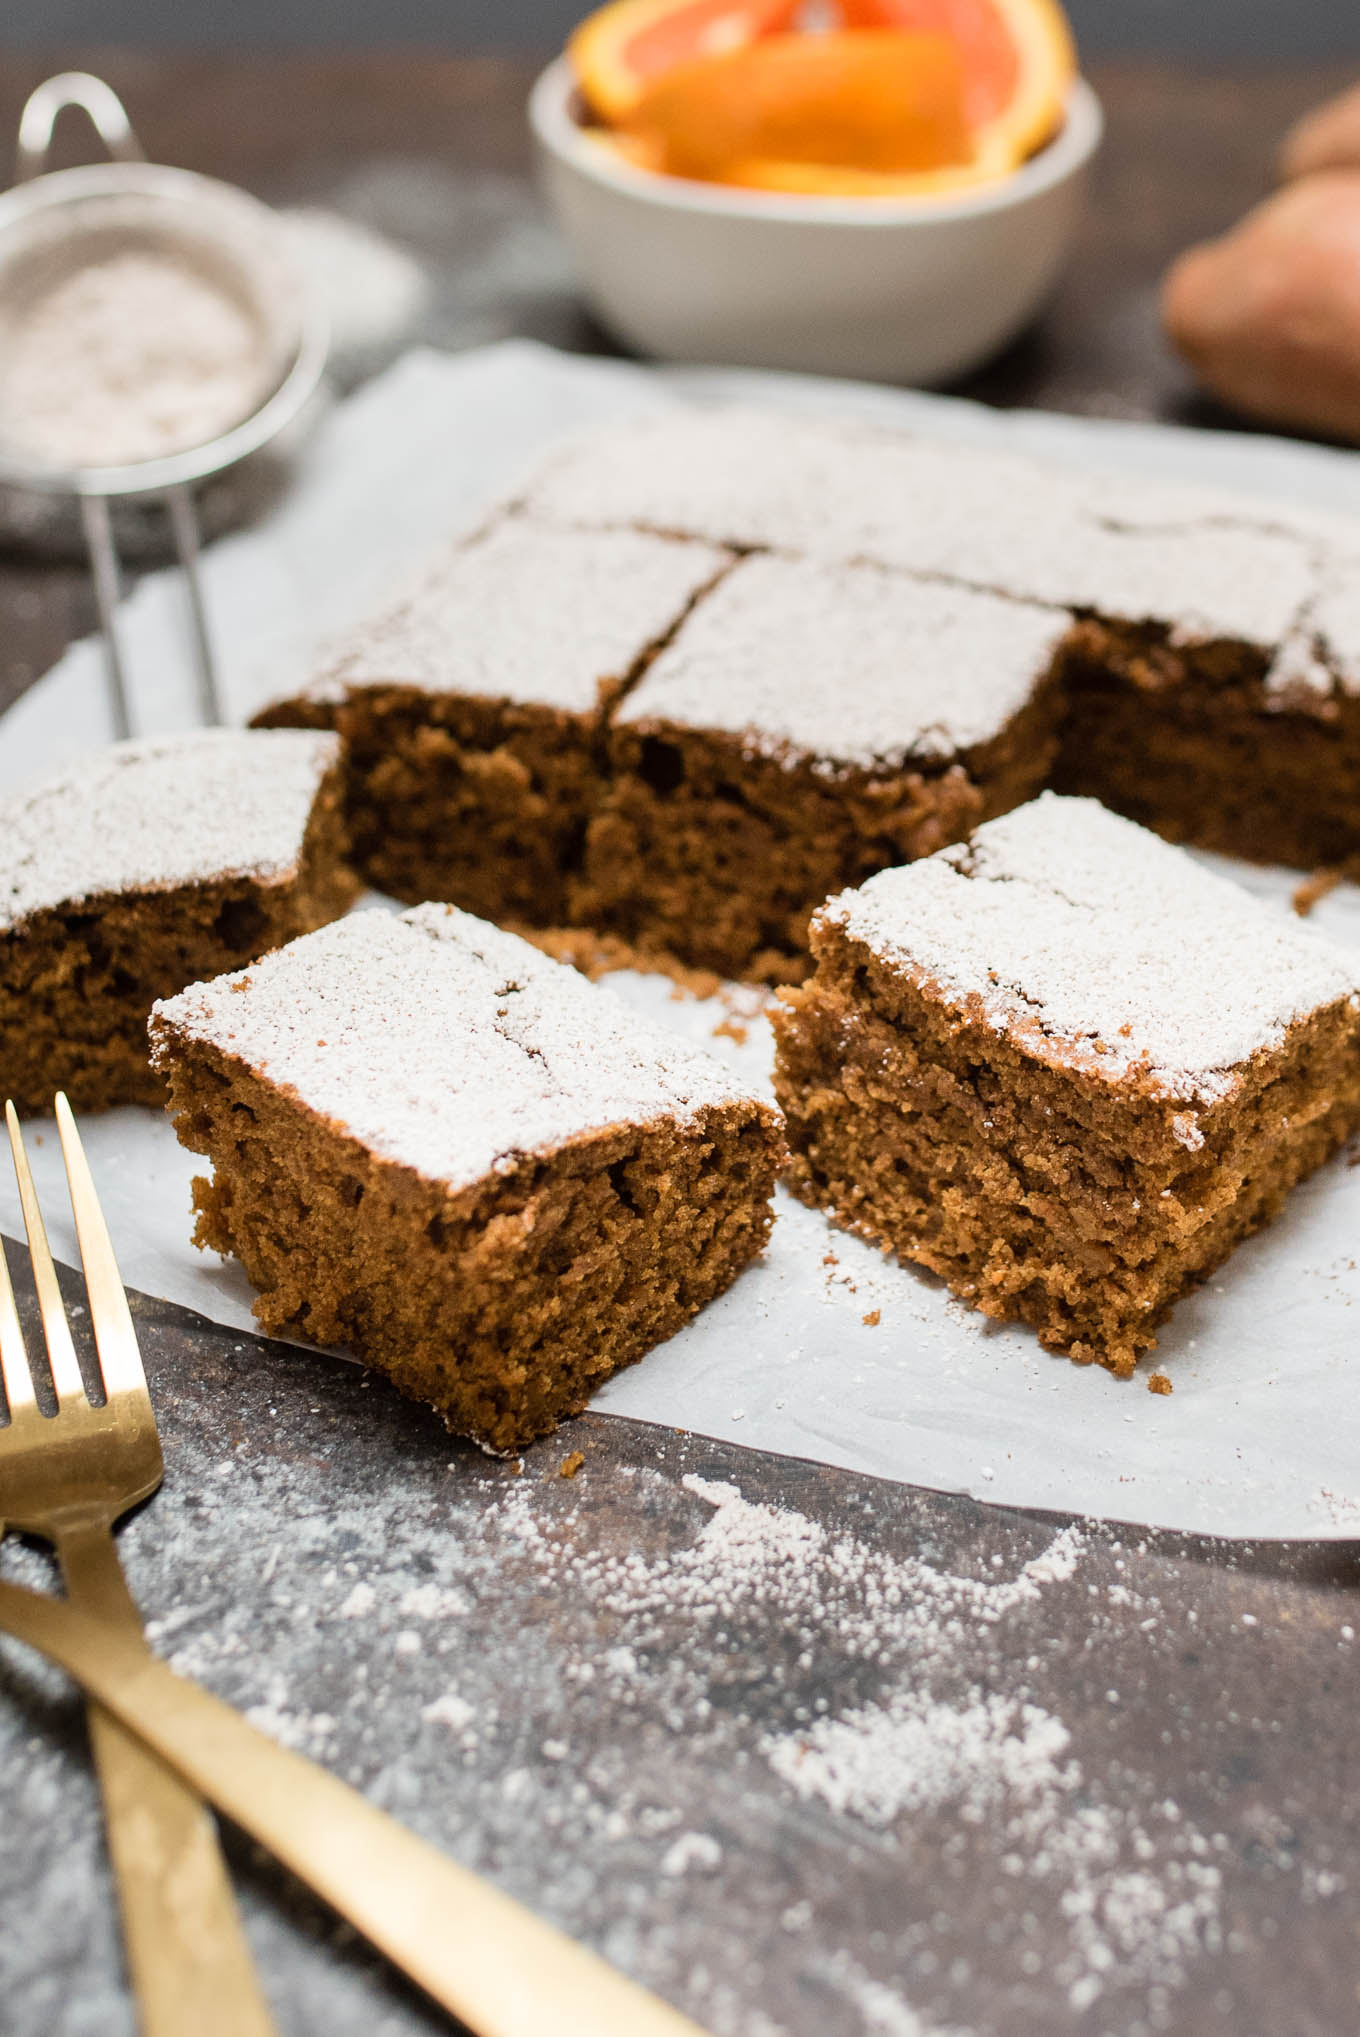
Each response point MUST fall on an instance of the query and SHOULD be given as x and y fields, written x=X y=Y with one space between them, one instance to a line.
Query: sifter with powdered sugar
x=154 y=330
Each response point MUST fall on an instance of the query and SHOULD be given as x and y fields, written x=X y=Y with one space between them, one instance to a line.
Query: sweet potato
x=1328 y=138
x=1269 y=316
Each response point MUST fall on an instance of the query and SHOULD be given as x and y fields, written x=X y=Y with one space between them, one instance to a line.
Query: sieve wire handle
x=73 y=88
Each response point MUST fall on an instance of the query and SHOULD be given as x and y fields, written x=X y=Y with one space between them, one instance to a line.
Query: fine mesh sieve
x=57 y=226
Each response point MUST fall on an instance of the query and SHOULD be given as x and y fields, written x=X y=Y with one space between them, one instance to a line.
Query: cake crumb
x=873 y=1319
x=1313 y=890
x=1159 y=1383
x=571 y=1464
x=731 y=1029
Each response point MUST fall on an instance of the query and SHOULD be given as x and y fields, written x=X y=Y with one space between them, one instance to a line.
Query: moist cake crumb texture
x=472 y=709
x=568 y=720
x=435 y=1146
x=1066 y=1069
x=147 y=866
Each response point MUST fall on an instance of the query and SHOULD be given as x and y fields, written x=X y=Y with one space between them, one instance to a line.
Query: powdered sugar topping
x=442 y=1043
x=849 y=663
x=1201 y=567
x=157 y=813
x=128 y=359
x=1099 y=945
x=549 y=617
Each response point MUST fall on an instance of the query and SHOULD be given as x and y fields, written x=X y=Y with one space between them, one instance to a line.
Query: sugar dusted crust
x=538 y=617
x=1099 y=947
x=153 y=864
x=897 y=639
x=849 y=667
x=1206 y=564
x=435 y=1145
x=1069 y=1071
x=158 y=813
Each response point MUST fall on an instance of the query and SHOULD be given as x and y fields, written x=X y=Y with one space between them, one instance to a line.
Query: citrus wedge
x=870 y=101
x=1019 y=62
x=618 y=51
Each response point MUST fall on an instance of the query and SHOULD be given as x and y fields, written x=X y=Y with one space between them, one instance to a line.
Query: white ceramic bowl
x=886 y=290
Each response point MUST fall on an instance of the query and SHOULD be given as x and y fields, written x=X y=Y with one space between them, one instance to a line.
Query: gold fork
x=498 y=1968
x=68 y=1478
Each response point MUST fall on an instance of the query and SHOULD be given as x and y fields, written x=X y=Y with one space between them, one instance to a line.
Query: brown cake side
x=806 y=727
x=482 y=802
x=1048 y=1170
x=79 y=975
x=1196 y=612
x=472 y=709
x=1197 y=743
x=456 y=1158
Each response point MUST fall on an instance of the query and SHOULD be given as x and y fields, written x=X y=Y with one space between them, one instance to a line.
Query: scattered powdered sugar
x=881 y=2011
x=372 y=291
x=849 y=663
x=449 y=1710
x=448 y=1045
x=912 y=1755
x=692 y=1850
x=1131 y=1896
x=128 y=359
x=157 y=813
x=999 y=520
x=1102 y=947
x=555 y=618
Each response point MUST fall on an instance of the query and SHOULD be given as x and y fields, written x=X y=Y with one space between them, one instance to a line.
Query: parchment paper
x=1261 y=1436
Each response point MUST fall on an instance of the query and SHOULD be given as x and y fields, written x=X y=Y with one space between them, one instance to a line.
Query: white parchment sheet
x=1262 y=1433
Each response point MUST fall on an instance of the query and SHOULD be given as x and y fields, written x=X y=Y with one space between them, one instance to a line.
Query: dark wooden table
x=780 y=1767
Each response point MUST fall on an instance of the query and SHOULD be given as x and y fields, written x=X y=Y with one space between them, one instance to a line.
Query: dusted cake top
x=850 y=664
x=1204 y=565
x=1098 y=945
x=440 y=1042
x=159 y=812
x=1335 y=627
x=551 y=618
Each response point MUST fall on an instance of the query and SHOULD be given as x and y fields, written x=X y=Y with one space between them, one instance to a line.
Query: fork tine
x=120 y=1361
x=61 y=1352
x=14 y=1372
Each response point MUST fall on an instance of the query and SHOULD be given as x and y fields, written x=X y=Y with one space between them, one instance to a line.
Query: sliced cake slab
x=472 y=708
x=807 y=725
x=462 y=1161
x=1066 y=1068
x=140 y=869
x=1212 y=684
x=1202 y=566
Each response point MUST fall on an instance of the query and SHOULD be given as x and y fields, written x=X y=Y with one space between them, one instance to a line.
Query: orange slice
x=871 y=101
x=1019 y=61
x=618 y=51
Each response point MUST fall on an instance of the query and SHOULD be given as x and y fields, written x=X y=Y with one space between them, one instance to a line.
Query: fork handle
x=477 y=1952
x=189 y=1962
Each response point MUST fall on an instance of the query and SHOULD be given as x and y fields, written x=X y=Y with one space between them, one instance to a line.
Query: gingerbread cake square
x=1196 y=565
x=807 y=725
x=1066 y=1068
x=140 y=869
x=472 y=708
x=479 y=1172
x=1211 y=688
